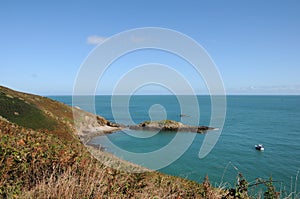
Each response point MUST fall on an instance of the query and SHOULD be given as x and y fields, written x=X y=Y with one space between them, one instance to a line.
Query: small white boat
x=259 y=147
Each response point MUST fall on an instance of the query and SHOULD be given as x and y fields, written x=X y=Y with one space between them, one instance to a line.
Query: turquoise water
x=271 y=120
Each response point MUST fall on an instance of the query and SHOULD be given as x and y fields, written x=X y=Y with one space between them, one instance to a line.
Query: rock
x=169 y=125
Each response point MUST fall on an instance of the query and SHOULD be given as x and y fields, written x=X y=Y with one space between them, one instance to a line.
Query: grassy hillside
x=36 y=112
x=40 y=157
x=23 y=113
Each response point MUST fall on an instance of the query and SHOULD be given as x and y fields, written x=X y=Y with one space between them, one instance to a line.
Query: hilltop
x=42 y=156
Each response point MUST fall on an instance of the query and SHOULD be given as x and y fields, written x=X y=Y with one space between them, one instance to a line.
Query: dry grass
x=103 y=182
x=40 y=165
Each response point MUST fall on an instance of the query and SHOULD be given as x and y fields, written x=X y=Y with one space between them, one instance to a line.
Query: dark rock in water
x=169 y=125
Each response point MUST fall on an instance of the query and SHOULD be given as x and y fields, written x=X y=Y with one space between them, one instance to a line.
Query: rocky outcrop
x=88 y=125
x=169 y=125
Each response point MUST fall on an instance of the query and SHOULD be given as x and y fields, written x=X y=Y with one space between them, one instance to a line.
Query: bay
x=271 y=120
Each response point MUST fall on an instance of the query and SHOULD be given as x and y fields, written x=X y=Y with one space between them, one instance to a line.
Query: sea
x=273 y=121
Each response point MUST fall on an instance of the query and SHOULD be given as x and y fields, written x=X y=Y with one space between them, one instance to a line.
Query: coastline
x=86 y=135
x=109 y=159
x=89 y=133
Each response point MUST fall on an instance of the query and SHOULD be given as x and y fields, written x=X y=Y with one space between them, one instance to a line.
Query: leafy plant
x=271 y=192
x=241 y=188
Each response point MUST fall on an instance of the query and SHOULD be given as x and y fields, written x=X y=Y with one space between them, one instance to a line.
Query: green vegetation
x=26 y=157
x=161 y=124
x=37 y=113
x=271 y=190
x=39 y=165
x=23 y=113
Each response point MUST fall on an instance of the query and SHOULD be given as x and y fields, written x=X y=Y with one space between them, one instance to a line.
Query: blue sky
x=255 y=44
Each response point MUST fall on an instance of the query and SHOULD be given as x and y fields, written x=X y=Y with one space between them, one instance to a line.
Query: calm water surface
x=271 y=120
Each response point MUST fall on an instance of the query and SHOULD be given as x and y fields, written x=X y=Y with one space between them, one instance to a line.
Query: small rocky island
x=169 y=125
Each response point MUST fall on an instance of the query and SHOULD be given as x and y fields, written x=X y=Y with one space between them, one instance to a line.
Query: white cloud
x=95 y=39
x=275 y=89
